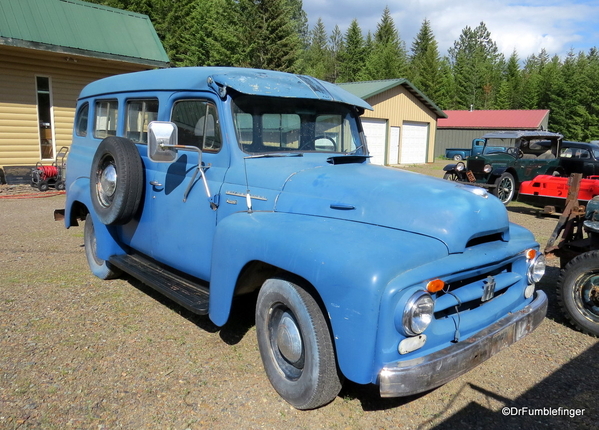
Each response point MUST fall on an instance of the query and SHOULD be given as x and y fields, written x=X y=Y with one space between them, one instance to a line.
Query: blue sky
x=525 y=25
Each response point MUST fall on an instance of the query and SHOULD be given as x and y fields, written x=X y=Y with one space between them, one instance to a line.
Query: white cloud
x=527 y=26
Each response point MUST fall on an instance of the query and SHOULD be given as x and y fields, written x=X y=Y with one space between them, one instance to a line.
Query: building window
x=44 y=117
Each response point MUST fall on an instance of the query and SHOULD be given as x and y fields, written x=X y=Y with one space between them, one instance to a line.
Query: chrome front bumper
x=405 y=378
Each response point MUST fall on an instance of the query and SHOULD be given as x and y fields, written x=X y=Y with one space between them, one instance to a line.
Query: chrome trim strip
x=237 y=194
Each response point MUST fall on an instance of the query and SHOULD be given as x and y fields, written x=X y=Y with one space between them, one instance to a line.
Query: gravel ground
x=77 y=352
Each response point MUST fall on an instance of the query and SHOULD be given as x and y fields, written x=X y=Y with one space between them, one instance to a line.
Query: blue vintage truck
x=212 y=183
x=459 y=154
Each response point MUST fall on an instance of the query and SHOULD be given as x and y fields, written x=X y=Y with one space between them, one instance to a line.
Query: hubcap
x=289 y=339
x=107 y=184
x=586 y=296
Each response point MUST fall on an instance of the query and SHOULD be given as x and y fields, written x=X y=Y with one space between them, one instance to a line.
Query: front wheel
x=451 y=176
x=578 y=292
x=505 y=188
x=295 y=345
x=99 y=267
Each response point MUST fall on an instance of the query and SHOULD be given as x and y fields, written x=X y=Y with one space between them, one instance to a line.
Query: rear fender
x=78 y=194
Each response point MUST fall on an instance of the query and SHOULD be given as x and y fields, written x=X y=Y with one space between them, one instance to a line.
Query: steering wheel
x=515 y=152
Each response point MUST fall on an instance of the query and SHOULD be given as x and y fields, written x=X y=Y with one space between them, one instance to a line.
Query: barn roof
x=494 y=119
x=81 y=28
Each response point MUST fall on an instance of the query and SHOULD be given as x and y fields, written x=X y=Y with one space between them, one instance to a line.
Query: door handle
x=155 y=184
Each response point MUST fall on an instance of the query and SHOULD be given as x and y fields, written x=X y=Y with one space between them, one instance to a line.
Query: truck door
x=182 y=218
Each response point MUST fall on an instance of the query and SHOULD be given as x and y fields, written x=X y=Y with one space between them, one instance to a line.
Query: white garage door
x=413 y=143
x=376 y=138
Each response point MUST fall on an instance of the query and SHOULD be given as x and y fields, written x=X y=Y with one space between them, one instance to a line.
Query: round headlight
x=488 y=168
x=460 y=167
x=418 y=313
x=536 y=269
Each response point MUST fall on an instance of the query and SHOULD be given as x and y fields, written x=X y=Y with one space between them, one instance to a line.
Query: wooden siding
x=399 y=106
x=68 y=74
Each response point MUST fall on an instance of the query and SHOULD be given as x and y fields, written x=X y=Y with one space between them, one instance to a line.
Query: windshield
x=275 y=124
x=493 y=146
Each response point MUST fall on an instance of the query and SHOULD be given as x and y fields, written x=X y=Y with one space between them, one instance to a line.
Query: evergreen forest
x=274 y=34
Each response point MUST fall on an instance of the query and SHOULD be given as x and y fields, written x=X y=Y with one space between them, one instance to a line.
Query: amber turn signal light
x=530 y=254
x=435 y=286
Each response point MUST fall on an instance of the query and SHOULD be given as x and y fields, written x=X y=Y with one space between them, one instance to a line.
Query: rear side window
x=106 y=118
x=81 y=120
x=198 y=124
x=139 y=114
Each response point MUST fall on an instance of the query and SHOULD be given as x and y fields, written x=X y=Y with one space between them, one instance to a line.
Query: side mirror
x=162 y=141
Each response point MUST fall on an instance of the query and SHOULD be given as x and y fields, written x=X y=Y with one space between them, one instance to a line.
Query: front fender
x=348 y=263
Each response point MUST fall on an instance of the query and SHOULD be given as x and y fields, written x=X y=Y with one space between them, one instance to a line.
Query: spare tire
x=116 y=181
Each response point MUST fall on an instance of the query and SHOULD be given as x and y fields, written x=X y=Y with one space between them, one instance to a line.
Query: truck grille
x=467 y=294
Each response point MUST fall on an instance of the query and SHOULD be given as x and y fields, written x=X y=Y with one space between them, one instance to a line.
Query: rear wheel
x=295 y=345
x=578 y=292
x=99 y=267
x=505 y=188
x=457 y=157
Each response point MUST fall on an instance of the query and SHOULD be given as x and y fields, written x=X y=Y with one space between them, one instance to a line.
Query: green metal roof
x=81 y=28
x=368 y=89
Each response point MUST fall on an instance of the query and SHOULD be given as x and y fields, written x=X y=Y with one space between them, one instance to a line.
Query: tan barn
x=402 y=127
x=49 y=50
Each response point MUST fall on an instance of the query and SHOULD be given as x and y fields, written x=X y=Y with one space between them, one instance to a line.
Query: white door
x=376 y=138
x=413 y=143
x=393 y=153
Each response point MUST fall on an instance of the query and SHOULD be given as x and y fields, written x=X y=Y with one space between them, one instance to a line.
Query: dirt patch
x=77 y=352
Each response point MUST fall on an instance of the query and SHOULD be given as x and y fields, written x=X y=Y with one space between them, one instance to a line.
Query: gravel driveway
x=77 y=352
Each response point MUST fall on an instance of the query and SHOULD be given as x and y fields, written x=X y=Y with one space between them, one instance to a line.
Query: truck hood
x=393 y=198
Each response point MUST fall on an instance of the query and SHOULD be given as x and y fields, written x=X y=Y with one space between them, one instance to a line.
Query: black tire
x=60 y=186
x=578 y=292
x=451 y=176
x=43 y=186
x=457 y=157
x=101 y=268
x=505 y=188
x=116 y=181
x=302 y=370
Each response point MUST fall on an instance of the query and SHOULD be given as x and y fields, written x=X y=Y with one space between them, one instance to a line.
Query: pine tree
x=388 y=58
x=269 y=35
x=477 y=67
x=425 y=63
x=336 y=47
x=353 y=54
x=318 y=55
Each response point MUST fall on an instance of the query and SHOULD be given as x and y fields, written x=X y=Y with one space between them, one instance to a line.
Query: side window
x=198 y=124
x=138 y=115
x=106 y=117
x=81 y=120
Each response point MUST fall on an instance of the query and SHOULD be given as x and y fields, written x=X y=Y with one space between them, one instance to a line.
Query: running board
x=191 y=295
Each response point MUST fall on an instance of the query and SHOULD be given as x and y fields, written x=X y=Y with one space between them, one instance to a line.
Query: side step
x=191 y=295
